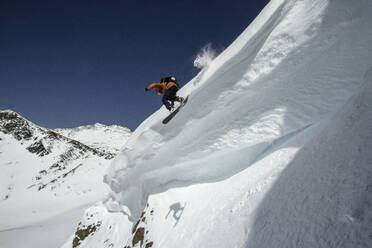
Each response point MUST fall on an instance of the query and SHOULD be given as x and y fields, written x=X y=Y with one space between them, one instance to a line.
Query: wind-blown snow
x=204 y=57
x=269 y=151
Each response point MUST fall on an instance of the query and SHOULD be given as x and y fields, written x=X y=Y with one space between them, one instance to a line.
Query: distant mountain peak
x=106 y=138
x=13 y=123
x=59 y=151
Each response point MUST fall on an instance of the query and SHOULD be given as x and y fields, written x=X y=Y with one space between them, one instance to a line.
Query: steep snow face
x=262 y=119
x=299 y=67
x=324 y=194
x=44 y=173
x=104 y=138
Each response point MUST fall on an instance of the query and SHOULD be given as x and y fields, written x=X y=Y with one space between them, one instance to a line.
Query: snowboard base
x=171 y=115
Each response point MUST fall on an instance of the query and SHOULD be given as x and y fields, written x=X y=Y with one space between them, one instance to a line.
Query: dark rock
x=38 y=148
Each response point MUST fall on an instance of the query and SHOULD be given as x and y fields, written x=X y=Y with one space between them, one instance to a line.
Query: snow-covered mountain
x=273 y=148
x=44 y=173
x=101 y=137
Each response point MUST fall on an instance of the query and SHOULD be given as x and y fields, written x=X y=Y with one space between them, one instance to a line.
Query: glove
x=146 y=89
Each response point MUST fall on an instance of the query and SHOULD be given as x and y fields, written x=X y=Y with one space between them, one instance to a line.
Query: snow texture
x=272 y=149
x=324 y=194
x=46 y=181
x=299 y=67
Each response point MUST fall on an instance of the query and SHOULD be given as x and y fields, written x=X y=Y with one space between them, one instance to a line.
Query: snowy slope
x=104 y=138
x=272 y=149
x=324 y=196
x=44 y=174
x=41 y=168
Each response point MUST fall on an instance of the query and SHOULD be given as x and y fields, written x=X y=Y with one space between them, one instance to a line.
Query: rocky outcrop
x=64 y=155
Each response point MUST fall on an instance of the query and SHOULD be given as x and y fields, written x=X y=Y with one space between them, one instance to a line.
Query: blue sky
x=70 y=63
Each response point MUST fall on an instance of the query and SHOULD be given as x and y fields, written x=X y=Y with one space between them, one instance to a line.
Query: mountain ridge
x=106 y=138
x=43 y=164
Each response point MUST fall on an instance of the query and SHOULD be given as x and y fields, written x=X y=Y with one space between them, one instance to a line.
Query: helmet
x=168 y=79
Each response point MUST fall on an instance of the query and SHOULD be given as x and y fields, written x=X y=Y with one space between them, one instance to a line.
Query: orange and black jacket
x=161 y=87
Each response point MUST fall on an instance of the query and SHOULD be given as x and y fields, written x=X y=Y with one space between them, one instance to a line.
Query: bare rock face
x=12 y=123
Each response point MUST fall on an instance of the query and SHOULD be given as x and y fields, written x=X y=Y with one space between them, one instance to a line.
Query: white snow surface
x=271 y=150
x=45 y=192
x=102 y=137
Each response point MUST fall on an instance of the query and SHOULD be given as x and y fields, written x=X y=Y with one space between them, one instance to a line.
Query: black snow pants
x=170 y=96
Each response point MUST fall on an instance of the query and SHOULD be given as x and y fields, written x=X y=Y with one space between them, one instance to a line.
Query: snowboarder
x=169 y=87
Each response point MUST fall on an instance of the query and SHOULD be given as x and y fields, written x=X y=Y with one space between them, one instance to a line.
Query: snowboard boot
x=180 y=99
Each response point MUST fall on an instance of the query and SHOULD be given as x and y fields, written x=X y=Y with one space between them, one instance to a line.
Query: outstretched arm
x=157 y=86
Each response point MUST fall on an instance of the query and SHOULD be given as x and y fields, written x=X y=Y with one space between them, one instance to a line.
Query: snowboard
x=173 y=114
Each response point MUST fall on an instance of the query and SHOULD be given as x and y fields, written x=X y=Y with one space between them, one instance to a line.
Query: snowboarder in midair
x=169 y=87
